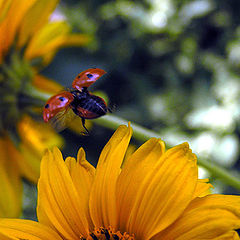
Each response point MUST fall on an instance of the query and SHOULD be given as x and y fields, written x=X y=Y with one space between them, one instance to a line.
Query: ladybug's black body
x=88 y=106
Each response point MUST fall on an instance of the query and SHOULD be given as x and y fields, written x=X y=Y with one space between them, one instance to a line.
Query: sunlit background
x=172 y=66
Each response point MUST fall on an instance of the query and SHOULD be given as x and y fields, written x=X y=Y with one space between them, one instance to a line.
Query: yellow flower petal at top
x=51 y=37
x=31 y=24
x=11 y=22
x=46 y=39
x=153 y=196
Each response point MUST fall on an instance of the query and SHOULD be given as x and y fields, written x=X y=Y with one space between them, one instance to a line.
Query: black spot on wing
x=61 y=99
x=89 y=75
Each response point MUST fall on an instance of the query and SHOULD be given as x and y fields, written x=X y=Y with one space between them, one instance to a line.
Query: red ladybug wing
x=57 y=103
x=84 y=113
x=87 y=78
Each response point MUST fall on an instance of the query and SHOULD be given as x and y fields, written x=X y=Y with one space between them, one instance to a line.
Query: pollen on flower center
x=108 y=234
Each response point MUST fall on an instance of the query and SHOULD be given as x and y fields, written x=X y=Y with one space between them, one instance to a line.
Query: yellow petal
x=26 y=229
x=11 y=22
x=75 y=40
x=59 y=205
x=47 y=85
x=88 y=171
x=4 y=237
x=165 y=192
x=4 y=7
x=232 y=235
x=37 y=135
x=35 y=18
x=133 y=173
x=102 y=201
x=50 y=38
x=82 y=173
x=10 y=179
x=49 y=50
x=35 y=139
x=29 y=164
x=130 y=150
x=203 y=188
x=41 y=41
x=206 y=218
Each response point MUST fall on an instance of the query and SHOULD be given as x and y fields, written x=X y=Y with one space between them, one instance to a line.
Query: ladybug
x=59 y=108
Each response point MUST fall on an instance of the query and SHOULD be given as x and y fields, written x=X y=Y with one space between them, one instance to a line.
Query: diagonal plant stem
x=143 y=134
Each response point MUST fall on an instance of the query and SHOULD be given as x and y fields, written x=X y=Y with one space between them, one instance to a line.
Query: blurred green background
x=172 y=66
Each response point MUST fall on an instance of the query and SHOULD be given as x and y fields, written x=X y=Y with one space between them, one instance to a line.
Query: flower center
x=108 y=234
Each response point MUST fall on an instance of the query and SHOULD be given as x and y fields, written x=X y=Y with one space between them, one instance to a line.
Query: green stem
x=35 y=93
x=217 y=171
x=139 y=132
x=143 y=134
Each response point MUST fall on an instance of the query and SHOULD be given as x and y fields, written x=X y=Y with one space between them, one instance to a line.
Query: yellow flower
x=155 y=195
x=28 y=42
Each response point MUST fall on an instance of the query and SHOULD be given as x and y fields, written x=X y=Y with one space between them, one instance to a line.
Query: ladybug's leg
x=83 y=123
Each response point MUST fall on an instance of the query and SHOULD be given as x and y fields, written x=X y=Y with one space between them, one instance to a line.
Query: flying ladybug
x=80 y=102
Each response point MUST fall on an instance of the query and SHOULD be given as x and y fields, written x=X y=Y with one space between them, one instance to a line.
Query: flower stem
x=35 y=93
x=143 y=134
x=217 y=171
